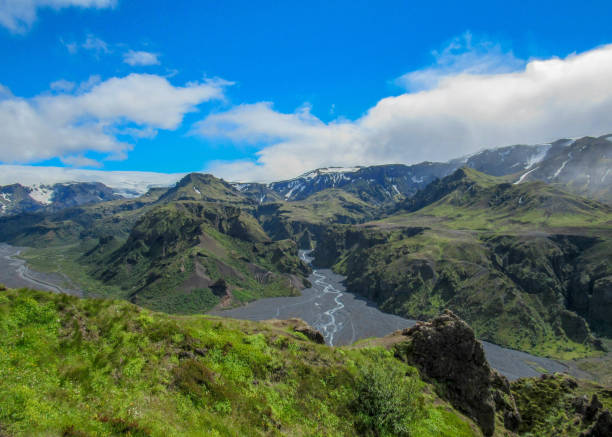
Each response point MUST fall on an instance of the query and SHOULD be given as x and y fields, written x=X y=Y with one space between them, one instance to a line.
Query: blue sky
x=266 y=90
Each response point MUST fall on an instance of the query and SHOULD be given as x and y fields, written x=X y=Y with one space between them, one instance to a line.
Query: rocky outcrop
x=575 y=327
x=602 y=426
x=311 y=333
x=600 y=307
x=446 y=350
x=601 y=419
x=298 y=325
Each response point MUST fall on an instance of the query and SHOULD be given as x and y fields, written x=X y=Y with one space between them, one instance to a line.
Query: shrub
x=194 y=378
x=388 y=401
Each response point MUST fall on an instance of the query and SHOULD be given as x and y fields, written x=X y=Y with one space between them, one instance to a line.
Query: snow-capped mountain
x=383 y=183
x=125 y=183
x=17 y=198
x=584 y=166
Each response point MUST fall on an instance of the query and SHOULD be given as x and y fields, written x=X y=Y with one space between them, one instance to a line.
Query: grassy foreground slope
x=71 y=367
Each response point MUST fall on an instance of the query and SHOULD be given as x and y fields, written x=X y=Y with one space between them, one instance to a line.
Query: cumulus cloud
x=19 y=15
x=140 y=58
x=90 y=119
x=464 y=54
x=454 y=111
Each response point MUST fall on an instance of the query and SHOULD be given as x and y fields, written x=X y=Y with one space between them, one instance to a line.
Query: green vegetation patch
x=103 y=367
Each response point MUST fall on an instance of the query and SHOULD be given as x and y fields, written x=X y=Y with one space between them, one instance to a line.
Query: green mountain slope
x=206 y=188
x=305 y=221
x=189 y=256
x=183 y=249
x=526 y=265
x=468 y=199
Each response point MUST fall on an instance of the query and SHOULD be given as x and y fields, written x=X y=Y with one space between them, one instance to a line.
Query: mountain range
x=582 y=166
x=516 y=241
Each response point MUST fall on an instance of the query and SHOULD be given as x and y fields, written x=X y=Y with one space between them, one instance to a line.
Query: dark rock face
x=575 y=327
x=447 y=351
x=219 y=288
x=602 y=419
x=311 y=333
x=593 y=408
x=600 y=308
x=298 y=325
x=602 y=426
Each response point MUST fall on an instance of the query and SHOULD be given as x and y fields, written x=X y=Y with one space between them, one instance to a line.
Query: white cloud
x=80 y=161
x=19 y=15
x=457 y=111
x=67 y=125
x=96 y=45
x=92 y=44
x=140 y=58
x=62 y=85
x=463 y=55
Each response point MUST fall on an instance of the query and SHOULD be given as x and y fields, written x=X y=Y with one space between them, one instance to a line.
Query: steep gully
x=343 y=318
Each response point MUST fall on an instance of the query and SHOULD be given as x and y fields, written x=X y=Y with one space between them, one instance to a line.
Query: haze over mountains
x=582 y=166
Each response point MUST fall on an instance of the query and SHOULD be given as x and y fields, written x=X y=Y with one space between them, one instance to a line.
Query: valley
x=338 y=266
x=344 y=318
x=305 y=219
x=14 y=272
x=341 y=316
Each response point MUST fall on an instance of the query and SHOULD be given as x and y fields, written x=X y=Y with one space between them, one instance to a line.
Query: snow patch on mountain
x=290 y=192
x=42 y=194
x=560 y=169
x=241 y=187
x=538 y=157
x=525 y=175
x=334 y=171
x=339 y=170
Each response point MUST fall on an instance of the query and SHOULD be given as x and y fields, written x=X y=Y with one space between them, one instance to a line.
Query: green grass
x=102 y=367
x=328 y=206
x=547 y=405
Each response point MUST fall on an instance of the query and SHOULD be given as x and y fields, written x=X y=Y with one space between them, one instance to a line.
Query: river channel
x=344 y=317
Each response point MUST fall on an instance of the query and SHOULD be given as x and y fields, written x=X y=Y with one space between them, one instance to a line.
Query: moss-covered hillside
x=71 y=367
x=526 y=265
